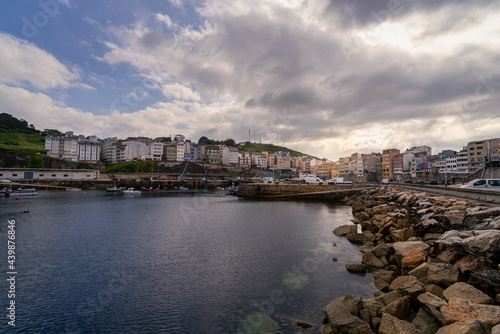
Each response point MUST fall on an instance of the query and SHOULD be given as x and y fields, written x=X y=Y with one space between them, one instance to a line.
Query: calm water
x=176 y=262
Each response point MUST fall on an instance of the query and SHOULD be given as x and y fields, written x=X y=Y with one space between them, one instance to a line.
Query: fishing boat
x=113 y=190
x=22 y=192
x=131 y=191
x=73 y=189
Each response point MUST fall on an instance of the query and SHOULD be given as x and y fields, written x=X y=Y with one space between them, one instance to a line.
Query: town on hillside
x=417 y=162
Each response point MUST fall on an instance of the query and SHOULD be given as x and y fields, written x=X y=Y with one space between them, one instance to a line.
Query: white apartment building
x=229 y=156
x=463 y=162
x=89 y=151
x=62 y=147
x=181 y=150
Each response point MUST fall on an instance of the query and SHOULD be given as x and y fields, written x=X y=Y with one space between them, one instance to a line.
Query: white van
x=483 y=184
x=313 y=180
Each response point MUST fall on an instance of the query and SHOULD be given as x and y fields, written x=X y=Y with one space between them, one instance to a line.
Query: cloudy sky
x=326 y=77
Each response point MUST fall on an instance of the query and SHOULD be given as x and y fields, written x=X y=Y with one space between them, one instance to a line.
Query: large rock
x=442 y=274
x=451 y=255
x=465 y=327
x=461 y=309
x=382 y=250
x=342 y=321
x=407 y=285
x=487 y=281
x=387 y=276
x=344 y=229
x=358 y=238
x=466 y=291
x=430 y=226
x=487 y=243
x=391 y=325
x=420 y=272
x=371 y=261
x=403 y=234
x=352 y=303
x=399 y=308
x=432 y=305
x=356 y=268
x=472 y=219
x=401 y=249
x=426 y=322
x=374 y=305
x=474 y=263
x=413 y=260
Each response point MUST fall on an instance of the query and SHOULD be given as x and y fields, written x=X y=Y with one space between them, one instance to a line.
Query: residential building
x=245 y=160
x=170 y=152
x=387 y=162
x=229 y=156
x=212 y=154
x=445 y=154
x=108 y=150
x=370 y=163
x=462 y=161
x=89 y=150
x=181 y=149
x=62 y=147
x=342 y=165
x=325 y=170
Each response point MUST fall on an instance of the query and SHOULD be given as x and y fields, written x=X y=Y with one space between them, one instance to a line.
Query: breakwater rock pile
x=436 y=264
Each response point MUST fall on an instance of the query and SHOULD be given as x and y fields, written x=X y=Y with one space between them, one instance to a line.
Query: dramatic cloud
x=23 y=63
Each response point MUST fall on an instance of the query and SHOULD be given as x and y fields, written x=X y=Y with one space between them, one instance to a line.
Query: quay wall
x=302 y=191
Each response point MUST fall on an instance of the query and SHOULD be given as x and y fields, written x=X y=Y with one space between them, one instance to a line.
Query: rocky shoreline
x=437 y=263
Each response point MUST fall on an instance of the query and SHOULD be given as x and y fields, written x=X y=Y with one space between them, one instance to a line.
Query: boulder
x=362 y=216
x=426 y=322
x=473 y=263
x=344 y=229
x=430 y=225
x=352 y=303
x=398 y=235
x=461 y=309
x=408 y=286
x=495 y=329
x=465 y=327
x=358 y=206
x=451 y=255
x=487 y=243
x=374 y=305
x=401 y=249
x=474 y=218
x=342 y=321
x=399 y=308
x=390 y=325
x=432 y=305
x=381 y=285
x=381 y=209
x=387 y=276
x=467 y=291
x=381 y=250
x=420 y=272
x=413 y=260
x=442 y=274
x=356 y=268
x=436 y=290
x=358 y=238
x=371 y=261
x=487 y=281
x=369 y=225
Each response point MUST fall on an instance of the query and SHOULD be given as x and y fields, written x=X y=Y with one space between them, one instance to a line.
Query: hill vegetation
x=16 y=135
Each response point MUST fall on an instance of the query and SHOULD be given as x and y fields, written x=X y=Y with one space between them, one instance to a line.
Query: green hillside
x=12 y=141
x=256 y=147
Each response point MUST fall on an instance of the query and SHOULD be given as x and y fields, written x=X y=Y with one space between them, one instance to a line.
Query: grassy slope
x=256 y=147
x=21 y=142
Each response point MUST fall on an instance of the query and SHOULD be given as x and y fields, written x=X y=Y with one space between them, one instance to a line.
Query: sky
x=325 y=77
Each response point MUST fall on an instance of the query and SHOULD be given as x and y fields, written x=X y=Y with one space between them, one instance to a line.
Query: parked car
x=420 y=182
x=484 y=184
x=408 y=181
x=434 y=182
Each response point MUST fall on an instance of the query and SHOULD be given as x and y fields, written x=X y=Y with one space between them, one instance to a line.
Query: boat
x=22 y=192
x=113 y=190
x=73 y=189
x=5 y=190
x=131 y=191
x=232 y=190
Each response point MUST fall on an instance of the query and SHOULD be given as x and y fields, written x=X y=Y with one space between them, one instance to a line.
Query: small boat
x=113 y=190
x=232 y=191
x=73 y=189
x=183 y=188
x=131 y=191
x=22 y=192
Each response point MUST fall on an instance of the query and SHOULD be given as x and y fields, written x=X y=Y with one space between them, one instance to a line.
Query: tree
x=229 y=142
x=203 y=140
x=35 y=162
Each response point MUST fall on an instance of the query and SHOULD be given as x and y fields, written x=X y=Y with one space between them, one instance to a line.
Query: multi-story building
x=259 y=160
x=462 y=162
x=387 y=162
x=89 y=150
x=170 y=152
x=156 y=149
x=342 y=165
x=445 y=154
x=212 y=155
x=325 y=170
x=109 y=150
x=229 y=156
x=245 y=160
x=370 y=163
x=181 y=150
x=62 y=147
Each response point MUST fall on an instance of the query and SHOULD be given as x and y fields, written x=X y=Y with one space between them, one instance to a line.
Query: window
x=14 y=174
x=494 y=183
x=41 y=175
x=1 y=174
x=480 y=183
x=65 y=175
x=53 y=175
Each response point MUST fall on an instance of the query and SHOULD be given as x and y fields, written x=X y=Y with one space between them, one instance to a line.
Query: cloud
x=24 y=63
x=329 y=76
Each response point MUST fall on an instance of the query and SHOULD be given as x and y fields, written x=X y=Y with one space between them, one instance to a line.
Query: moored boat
x=22 y=192
x=131 y=191
x=113 y=190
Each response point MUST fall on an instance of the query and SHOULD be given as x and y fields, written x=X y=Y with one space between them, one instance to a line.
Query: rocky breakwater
x=435 y=261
